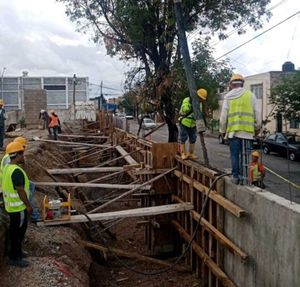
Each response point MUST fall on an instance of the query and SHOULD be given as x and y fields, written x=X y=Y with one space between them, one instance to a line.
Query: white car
x=129 y=117
x=148 y=124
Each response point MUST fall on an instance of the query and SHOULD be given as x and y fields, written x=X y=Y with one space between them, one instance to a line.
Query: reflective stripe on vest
x=241 y=114
x=53 y=122
x=12 y=201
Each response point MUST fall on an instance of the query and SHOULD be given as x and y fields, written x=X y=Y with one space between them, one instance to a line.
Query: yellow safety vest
x=12 y=201
x=241 y=114
x=2 y=166
x=185 y=109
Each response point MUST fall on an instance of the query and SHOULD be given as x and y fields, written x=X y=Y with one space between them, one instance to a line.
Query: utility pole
x=74 y=96
x=3 y=71
x=190 y=77
x=101 y=95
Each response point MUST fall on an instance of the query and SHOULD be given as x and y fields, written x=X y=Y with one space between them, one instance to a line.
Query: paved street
x=219 y=158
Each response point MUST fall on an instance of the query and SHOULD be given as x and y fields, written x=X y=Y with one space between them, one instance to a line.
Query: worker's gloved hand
x=200 y=126
x=29 y=210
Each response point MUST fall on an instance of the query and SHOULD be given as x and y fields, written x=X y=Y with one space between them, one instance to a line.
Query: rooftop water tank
x=288 y=67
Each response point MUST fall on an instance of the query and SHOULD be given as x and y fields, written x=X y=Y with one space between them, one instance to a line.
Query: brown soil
x=56 y=256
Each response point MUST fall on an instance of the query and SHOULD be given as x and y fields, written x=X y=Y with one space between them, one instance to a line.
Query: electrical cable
x=293 y=36
x=255 y=37
x=157 y=272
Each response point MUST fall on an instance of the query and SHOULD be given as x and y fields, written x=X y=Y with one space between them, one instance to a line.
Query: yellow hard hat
x=237 y=77
x=21 y=140
x=14 y=147
x=202 y=93
x=1 y=102
x=256 y=153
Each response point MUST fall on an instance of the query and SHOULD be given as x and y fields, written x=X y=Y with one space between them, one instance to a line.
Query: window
x=271 y=137
x=280 y=139
x=55 y=87
x=294 y=124
x=257 y=90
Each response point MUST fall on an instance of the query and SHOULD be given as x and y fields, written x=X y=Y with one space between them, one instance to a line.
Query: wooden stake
x=133 y=255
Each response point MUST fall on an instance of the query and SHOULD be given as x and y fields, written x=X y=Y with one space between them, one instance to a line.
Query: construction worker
x=43 y=115
x=54 y=124
x=2 y=123
x=257 y=171
x=240 y=120
x=6 y=160
x=187 y=124
x=15 y=186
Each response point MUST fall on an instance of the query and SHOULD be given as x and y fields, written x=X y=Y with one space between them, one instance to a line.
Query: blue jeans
x=186 y=133
x=235 y=145
x=35 y=212
x=239 y=154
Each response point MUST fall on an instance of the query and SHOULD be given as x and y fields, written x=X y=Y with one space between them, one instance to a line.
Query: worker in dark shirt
x=15 y=186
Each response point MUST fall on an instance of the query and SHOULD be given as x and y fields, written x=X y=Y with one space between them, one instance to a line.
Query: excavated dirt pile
x=56 y=255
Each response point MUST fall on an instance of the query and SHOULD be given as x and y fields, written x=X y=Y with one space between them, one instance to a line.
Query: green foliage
x=286 y=96
x=22 y=122
x=209 y=74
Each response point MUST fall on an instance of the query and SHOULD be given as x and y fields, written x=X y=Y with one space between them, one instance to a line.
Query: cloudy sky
x=37 y=36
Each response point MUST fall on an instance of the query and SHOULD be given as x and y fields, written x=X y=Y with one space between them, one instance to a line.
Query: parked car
x=283 y=144
x=148 y=124
x=255 y=144
x=129 y=116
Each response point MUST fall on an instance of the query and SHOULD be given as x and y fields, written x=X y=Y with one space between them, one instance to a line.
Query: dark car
x=255 y=144
x=284 y=144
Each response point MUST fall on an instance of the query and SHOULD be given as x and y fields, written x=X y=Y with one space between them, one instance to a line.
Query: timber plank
x=137 y=212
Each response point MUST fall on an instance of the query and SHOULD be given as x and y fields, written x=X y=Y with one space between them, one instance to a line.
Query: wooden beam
x=127 y=157
x=137 y=212
x=82 y=136
x=131 y=191
x=215 y=269
x=98 y=185
x=215 y=232
x=221 y=200
x=85 y=170
x=154 y=130
x=70 y=143
x=133 y=255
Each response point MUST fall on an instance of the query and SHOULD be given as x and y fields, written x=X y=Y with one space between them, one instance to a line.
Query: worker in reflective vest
x=240 y=120
x=187 y=125
x=54 y=123
x=6 y=160
x=15 y=187
x=256 y=171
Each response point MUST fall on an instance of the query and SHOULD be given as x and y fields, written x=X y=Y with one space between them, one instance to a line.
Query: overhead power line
x=271 y=28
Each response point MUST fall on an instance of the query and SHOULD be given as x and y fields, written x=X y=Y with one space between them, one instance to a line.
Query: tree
x=145 y=30
x=285 y=97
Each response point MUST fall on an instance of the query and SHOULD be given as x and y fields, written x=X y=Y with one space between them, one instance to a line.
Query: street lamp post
x=3 y=71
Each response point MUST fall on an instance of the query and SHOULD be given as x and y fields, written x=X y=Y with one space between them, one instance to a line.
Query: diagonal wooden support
x=131 y=191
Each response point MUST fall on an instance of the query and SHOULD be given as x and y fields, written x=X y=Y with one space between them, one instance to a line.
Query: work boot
x=192 y=156
x=184 y=156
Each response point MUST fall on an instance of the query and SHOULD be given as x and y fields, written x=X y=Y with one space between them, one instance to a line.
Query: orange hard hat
x=21 y=140
x=14 y=147
x=202 y=93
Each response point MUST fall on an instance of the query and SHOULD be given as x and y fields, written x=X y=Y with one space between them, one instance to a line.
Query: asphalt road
x=219 y=158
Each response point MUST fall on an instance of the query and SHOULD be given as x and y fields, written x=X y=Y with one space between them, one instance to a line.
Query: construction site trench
x=142 y=216
x=57 y=254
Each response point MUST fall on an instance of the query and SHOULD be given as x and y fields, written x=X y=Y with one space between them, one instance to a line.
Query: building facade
x=59 y=90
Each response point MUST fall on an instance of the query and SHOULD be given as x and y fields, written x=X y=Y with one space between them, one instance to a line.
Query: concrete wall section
x=270 y=235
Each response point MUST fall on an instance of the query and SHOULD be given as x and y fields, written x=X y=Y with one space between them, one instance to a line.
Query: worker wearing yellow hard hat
x=187 y=125
x=2 y=123
x=256 y=170
x=6 y=160
x=15 y=186
x=240 y=120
